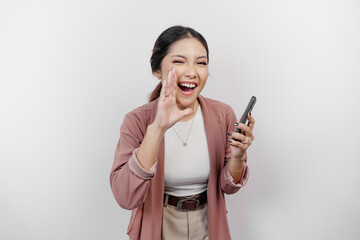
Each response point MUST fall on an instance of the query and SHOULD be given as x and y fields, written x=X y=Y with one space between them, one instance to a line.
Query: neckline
x=189 y=121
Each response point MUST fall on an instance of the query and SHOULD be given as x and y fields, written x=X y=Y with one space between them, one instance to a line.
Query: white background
x=70 y=70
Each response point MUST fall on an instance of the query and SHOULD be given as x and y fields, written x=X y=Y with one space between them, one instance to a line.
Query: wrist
x=156 y=131
x=236 y=169
x=239 y=158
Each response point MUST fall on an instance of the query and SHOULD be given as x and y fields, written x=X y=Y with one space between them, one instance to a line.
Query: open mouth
x=187 y=88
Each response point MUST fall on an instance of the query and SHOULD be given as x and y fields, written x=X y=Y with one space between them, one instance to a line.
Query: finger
x=237 y=144
x=170 y=83
x=164 y=89
x=173 y=81
x=185 y=112
x=170 y=88
x=247 y=131
x=251 y=122
x=237 y=136
x=169 y=76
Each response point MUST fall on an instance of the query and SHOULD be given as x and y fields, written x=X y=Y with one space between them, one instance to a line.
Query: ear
x=157 y=74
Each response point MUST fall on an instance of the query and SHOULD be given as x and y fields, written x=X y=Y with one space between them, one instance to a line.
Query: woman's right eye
x=177 y=61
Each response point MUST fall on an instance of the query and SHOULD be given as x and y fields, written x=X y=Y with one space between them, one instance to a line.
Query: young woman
x=176 y=156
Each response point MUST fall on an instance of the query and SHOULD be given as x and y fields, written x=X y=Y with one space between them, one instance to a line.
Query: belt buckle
x=181 y=201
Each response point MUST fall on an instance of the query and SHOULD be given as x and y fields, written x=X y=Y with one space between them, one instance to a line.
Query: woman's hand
x=168 y=113
x=238 y=148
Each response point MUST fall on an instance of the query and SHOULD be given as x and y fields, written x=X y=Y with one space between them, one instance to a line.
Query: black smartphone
x=248 y=109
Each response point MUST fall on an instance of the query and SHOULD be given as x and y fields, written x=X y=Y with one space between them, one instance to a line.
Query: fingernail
x=172 y=67
x=229 y=133
x=236 y=124
x=230 y=141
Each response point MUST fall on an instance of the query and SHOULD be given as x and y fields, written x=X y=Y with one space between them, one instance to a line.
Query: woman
x=176 y=156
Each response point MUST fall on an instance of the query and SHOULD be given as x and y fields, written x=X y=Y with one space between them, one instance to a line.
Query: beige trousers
x=178 y=225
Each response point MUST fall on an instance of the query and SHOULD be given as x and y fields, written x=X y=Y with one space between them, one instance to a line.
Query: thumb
x=186 y=112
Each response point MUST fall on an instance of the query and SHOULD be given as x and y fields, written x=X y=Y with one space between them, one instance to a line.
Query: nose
x=190 y=72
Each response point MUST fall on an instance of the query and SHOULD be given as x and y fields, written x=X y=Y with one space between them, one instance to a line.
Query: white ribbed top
x=187 y=168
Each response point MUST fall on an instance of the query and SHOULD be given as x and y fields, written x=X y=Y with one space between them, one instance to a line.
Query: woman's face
x=189 y=58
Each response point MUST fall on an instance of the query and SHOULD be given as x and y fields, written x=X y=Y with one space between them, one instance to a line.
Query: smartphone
x=248 y=109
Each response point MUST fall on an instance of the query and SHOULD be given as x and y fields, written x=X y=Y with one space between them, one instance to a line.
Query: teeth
x=188 y=85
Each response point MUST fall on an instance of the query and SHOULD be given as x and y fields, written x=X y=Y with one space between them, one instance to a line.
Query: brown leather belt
x=189 y=203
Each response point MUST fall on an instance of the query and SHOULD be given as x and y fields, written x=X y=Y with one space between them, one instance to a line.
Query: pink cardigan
x=142 y=191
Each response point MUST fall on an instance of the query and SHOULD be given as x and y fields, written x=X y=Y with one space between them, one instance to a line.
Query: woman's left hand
x=244 y=139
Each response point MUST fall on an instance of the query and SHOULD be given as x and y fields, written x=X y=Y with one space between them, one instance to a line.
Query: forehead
x=188 y=46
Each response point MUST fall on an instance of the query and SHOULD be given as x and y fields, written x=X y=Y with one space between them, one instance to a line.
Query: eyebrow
x=181 y=56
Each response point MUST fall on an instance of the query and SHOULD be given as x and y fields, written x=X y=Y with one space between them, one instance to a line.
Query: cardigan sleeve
x=226 y=180
x=128 y=179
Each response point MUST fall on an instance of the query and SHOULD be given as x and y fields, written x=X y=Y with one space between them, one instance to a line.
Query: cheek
x=204 y=74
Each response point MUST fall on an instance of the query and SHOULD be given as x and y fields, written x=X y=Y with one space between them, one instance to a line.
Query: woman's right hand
x=168 y=112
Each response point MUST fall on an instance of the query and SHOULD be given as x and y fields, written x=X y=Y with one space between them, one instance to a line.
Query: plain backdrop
x=70 y=70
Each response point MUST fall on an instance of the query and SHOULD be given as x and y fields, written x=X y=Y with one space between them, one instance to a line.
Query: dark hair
x=162 y=45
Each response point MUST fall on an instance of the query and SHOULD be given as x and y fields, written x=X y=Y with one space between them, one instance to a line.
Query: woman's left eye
x=202 y=63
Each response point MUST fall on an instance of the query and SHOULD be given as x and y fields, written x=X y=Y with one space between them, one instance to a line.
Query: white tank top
x=187 y=168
